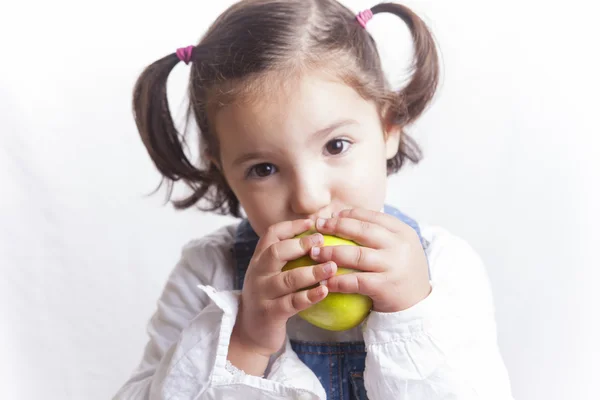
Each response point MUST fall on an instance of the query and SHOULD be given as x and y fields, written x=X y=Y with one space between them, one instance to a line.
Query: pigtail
x=417 y=94
x=155 y=124
x=166 y=146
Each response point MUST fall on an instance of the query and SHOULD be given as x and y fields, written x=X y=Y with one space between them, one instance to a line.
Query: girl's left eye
x=337 y=146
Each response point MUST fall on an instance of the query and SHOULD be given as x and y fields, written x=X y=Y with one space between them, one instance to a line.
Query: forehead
x=285 y=111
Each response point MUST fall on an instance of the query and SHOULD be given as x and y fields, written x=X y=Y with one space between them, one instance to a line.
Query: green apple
x=337 y=311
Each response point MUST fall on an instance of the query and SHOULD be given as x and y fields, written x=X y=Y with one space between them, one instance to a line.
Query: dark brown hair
x=256 y=39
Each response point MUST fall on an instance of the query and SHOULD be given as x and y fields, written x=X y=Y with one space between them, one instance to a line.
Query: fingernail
x=320 y=222
x=327 y=268
x=322 y=290
x=317 y=238
x=315 y=251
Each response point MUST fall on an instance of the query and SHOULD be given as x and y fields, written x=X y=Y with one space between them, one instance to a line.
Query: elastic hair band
x=185 y=54
x=363 y=17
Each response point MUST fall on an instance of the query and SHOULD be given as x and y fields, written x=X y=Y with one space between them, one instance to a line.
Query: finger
x=275 y=256
x=300 y=278
x=362 y=232
x=366 y=283
x=291 y=304
x=353 y=257
x=389 y=222
x=281 y=231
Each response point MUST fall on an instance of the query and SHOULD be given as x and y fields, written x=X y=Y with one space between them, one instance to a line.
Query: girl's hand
x=269 y=296
x=395 y=269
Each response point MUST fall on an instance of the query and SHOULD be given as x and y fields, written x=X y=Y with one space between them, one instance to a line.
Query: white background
x=511 y=144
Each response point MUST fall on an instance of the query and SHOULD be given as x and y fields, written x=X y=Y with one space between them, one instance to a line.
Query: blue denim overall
x=339 y=366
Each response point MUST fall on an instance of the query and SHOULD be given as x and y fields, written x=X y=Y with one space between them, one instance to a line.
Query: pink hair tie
x=363 y=17
x=185 y=54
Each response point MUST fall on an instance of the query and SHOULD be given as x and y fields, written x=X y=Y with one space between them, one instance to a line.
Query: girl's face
x=305 y=152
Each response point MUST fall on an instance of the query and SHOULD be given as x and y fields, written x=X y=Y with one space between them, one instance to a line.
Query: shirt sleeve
x=185 y=357
x=446 y=345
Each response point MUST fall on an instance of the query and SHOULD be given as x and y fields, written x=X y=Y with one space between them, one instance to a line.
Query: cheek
x=369 y=164
x=363 y=183
x=263 y=208
x=365 y=178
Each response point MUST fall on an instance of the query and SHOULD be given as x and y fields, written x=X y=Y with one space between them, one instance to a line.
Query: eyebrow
x=316 y=135
x=326 y=131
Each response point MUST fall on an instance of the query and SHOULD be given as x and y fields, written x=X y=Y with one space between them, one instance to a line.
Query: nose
x=311 y=194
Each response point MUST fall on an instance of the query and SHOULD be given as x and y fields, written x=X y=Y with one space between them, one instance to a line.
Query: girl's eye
x=337 y=146
x=261 y=170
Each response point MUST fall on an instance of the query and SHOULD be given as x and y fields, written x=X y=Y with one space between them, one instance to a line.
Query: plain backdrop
x=511 y=147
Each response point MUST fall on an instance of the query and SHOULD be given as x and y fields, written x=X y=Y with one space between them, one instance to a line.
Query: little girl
x=300 y=129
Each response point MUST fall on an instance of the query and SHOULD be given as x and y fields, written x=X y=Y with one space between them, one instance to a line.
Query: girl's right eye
x=261 y=170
